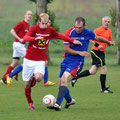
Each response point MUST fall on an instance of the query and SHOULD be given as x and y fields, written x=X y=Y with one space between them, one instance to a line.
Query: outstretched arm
x=65 y=38
x=101 y=39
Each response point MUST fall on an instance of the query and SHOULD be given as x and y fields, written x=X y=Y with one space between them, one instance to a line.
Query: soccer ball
x=49 y=100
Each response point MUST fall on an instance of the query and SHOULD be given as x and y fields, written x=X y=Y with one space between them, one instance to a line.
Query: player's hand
x=100 y=47
x=21 y=40
x=111 y=43
x=38 y=38
x=77 y=42
x=84 y=53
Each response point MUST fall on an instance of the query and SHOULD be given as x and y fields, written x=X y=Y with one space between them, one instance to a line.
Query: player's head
x=28 y=15
x=44 y=18
x=79 y=24
x=106 y=20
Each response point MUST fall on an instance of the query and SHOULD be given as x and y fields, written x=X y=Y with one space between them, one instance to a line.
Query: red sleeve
x=67 y=33
x=57 y=35
x=30 y=35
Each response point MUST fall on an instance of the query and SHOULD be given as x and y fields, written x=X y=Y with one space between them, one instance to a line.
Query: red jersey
x=37 y=48
x=21 y=29
x=103 y=33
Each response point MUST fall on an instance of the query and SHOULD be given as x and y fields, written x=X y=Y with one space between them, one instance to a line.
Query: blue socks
x=46 y=75
x=16 y=71
x=63 y=93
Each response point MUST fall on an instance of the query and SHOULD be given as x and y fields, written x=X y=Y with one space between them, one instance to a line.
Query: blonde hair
x=44 y=17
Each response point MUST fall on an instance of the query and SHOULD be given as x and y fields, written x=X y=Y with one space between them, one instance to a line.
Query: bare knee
x=93 y=70
x=27 y=84
x=103 y=69
x=38 y=77
x=65 y=78
x=14 y=62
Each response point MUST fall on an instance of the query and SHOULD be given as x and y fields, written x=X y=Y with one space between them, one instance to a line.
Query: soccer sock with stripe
x=46 y=75
x=9 y=69
x=103 y=80
x=83 y=74
x=62 y=93
x=16 y=71
x=28 y=95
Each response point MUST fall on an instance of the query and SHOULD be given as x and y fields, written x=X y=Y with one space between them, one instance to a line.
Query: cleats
x=16 y=77
x=106 y=90
x=67 y=105
x=49 y=83
x=9 y=80
x=31 y=106
x=57 y=107
x=3 y=81
x=73 y=82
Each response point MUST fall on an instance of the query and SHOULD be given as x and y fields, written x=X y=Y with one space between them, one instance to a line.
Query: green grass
x=91 y=104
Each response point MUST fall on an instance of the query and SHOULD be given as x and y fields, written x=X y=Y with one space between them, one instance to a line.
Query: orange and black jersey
x=103 y=33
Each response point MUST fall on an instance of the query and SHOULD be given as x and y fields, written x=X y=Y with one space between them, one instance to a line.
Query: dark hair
x=80 y=19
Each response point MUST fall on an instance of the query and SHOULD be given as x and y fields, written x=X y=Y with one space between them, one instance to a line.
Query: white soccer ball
x=49 y=100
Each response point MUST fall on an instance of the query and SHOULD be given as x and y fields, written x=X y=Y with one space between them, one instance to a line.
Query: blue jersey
x=83 y=37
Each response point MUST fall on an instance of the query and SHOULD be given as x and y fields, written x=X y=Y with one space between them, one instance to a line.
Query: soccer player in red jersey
x=20 y=67
x=34 y=61
x=98 y=55
x=19 y=49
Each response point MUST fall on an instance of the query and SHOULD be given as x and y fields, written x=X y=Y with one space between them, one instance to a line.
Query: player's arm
x=68 y=50
x=15 y=35
x=101 y=39
x=30 y=36
x=57 y=35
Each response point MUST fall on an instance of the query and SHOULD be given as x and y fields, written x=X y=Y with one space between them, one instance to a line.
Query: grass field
x=91 y=104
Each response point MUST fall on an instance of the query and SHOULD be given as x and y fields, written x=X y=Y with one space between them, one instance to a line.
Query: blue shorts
x=71 y=66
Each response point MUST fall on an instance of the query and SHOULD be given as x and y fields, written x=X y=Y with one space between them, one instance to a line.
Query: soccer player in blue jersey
x=74 y=59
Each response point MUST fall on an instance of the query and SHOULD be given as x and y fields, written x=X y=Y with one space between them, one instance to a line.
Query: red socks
x=28 y=95
x=10 y=68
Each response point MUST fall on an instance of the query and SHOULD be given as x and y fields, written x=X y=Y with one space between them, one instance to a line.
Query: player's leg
x=27 y=74
x=46 y=82
x=85 y=73
x=103 y=74
x=64 y=92
x=10 y=68
x=46 y=75
x=16 y=71
x=68 y=70
x=19 y=50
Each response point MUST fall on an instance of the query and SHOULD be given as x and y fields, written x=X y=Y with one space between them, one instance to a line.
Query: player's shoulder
x=88 y=31
x=70 y=29
x=98 y=29
x=34 y=26
x=50 y=28
x=109 y=29
x=21 y=22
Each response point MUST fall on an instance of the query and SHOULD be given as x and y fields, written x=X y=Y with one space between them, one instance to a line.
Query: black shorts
x=98 y=58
